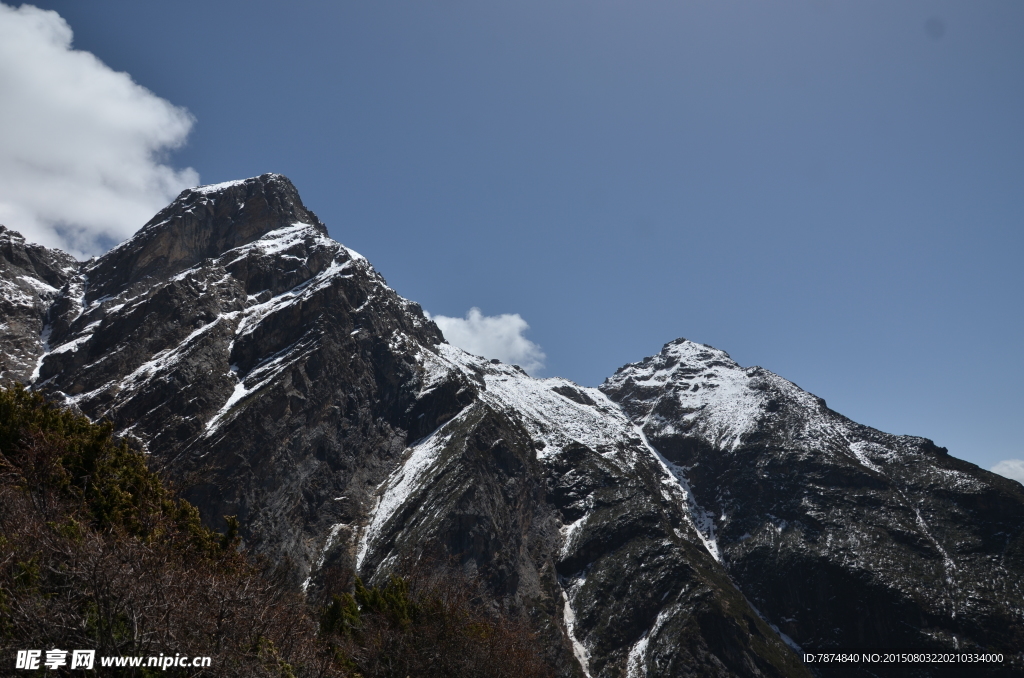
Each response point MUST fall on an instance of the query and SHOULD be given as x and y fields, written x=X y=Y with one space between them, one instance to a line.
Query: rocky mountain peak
x=17 y=256
x=694 y=385
x=202 y=223
x=695 y=389
x=30 y=277
x=793 y=491
x=681 y=359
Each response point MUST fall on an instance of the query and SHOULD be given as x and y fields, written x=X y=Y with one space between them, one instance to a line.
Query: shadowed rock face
x=274 y=376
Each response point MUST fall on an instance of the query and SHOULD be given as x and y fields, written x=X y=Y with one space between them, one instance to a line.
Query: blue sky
x=832 y=190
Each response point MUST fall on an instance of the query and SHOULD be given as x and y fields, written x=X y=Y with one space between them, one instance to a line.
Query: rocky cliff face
x=689 y=518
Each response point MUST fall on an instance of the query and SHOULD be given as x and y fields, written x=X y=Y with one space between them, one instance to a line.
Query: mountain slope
x=242 y=347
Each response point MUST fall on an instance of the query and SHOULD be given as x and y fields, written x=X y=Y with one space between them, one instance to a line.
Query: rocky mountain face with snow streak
x=553 y=496
x=262 y=363
x=688 y=518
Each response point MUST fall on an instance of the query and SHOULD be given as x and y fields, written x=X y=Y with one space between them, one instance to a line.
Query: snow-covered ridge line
x=559 y=413
x=559 y=421
x=707 y=383
x=161 y=360
x=245 y=321
x=550 y=416
x=262 y=374
x=250 y=317
x=207 y=189
x=278 y=240
x=205 y=193
x=715 y=398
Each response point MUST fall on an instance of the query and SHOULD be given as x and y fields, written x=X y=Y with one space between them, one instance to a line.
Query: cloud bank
x=493 y=336
x=80 y=144
x=1011 y=468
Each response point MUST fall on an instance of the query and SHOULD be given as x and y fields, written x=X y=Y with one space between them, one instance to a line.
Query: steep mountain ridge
x=202 y=223
x=273 y=374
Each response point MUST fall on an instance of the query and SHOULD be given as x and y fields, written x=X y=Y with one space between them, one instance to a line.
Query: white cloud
x=493 y=336
x=1011 y=468
x=80 y=144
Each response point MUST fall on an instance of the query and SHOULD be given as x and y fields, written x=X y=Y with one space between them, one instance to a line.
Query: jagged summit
x=700 y=389
x=201 y=223
x=30 y=278
x=19 y=257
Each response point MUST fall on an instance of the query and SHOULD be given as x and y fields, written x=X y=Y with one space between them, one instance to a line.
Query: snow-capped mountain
x=690 y=517
x=843 y=535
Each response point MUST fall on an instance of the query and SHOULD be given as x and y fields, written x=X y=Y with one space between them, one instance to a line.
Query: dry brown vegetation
x=96 y=553
x=427 y=624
